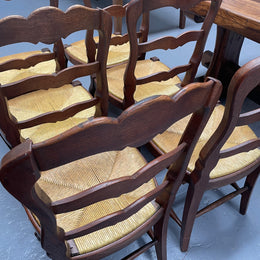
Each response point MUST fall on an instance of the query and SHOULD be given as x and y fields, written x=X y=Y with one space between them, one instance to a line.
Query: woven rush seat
x=80 y=175
x=143 y=68
x=116 y=54
x=9 y=76
x=38 y=102
x=170 y=138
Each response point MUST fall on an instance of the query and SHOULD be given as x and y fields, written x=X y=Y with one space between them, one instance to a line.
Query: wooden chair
x=89 y=192
x=55 y=63
x=128 y=83
x=227 y=151
x=39 y=106
x=119 y=44
x=190 y=14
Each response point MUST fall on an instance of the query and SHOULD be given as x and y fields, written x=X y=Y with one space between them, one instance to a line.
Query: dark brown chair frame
x=135 y=9
x=242 y=83
x=20 y=168
x=117 y=12
x=19 y=29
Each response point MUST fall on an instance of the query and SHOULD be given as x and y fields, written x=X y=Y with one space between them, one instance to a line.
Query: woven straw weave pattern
x=38 y=102
x=116 y=53
x=88 y=172
x=170 y=138
x=143 y=68
x=9 y=76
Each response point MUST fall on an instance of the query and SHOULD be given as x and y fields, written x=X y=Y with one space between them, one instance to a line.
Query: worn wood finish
x=236 y=19
x=132 y=128
x=170 y=42
x=163 y=75
x=240 y=16
x=60 y=22
x=117 y=11
x=142 y=7
x=57 y=80
x=27 y=62
x=243 y=82
x=36 y=28
x=118 y=22
x=8 y=129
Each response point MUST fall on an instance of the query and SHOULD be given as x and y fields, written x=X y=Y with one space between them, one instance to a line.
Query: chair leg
x=193 y=198
x=249 y=182
x=160 y=234
x=182 y=20
x=92 y=86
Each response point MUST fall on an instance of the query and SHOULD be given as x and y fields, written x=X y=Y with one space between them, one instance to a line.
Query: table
x=236 y=19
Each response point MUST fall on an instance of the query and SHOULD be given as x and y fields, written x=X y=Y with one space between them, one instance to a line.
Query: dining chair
x=47 y=65
x=89 y=192
x=39 y=106
x=138 y=79
x=119 y=44
x=226 y=152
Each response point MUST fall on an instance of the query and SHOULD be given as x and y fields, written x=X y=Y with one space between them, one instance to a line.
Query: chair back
x=118 y=12
x=24 y=166
x=135 y=9
x=243 y=82
x=48 y=25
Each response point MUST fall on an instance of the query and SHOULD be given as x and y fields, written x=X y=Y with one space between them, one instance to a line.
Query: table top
x=240 y=16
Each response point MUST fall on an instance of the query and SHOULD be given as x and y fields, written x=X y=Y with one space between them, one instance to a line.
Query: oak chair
x=53 y=61
x=227 y=151
x=119 y=44
x=138 y=79
x=89 y=192
x=40 y=106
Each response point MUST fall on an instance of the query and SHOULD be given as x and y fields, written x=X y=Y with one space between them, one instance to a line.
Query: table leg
x=225 y=59
x=226 y=55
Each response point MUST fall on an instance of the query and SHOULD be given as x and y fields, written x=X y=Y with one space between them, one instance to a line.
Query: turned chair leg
x=160 y=233
x=193 y=198
x=249 y=182
x=182 y=20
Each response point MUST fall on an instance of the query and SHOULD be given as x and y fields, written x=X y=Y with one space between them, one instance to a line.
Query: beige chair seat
x=80 y=175
x=143 y=68
x=116 y=53
x=42 y=101
x=9 y=76
x=168 y=140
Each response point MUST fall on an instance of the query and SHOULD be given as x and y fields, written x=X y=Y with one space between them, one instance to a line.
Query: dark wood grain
x=27 y=29
x=112 y=132
x=63 y=77
x=26 y=63
x=170 y=42
x=132 y=128
x=241 y=16
x=243 y=147
x=164 y=75
x=48 y=25
x=249 y=118
x=236 y=20
x=243 y=82
x=134 y=11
